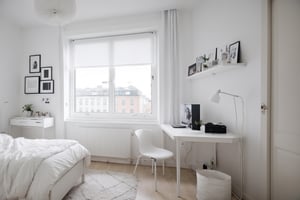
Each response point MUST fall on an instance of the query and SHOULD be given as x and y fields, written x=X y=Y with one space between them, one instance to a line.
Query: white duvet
x=29 y=168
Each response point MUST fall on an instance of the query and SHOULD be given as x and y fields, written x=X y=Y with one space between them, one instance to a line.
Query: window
x=114 y=70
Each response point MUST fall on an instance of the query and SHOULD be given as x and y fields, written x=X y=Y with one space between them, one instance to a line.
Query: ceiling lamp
x=55 y=12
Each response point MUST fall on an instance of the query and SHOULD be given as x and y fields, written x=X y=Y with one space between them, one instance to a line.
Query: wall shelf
x=215 y=70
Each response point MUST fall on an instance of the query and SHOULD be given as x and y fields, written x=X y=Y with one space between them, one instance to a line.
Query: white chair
x=146 y=149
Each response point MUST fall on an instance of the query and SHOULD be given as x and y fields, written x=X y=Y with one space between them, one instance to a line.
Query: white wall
x=44 y=41
x=10 y=49
x=216 y=23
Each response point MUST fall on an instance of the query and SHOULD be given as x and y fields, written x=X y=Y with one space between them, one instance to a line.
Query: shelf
x=215 y=70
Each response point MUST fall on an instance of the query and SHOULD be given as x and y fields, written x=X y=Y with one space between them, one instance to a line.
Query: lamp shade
x=216 y=97
x=55 y=12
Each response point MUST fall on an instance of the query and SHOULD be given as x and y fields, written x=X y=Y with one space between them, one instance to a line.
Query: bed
x=40 y=169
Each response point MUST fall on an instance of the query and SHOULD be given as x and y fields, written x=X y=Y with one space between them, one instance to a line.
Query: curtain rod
x=116 y=35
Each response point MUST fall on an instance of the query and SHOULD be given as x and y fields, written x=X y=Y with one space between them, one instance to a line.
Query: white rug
x=105 y=185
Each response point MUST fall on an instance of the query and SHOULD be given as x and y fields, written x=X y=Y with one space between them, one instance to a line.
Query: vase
x=28 y=113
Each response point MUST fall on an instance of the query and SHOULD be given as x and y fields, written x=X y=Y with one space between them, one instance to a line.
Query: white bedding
x=29 y=168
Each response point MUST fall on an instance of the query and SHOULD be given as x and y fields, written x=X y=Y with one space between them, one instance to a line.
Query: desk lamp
x=216 y=99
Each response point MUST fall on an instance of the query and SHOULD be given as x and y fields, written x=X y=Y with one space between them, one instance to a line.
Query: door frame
x=266 y=86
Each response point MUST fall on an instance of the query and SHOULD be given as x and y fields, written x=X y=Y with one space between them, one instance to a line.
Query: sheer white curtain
x=170 y=70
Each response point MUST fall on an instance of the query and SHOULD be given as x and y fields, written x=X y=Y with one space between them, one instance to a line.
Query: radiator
x=103 y=141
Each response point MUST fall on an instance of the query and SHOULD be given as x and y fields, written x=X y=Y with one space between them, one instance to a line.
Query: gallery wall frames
x=47 y=87
x=43 y=82
x=31 y=85
x=35 y=63
x=46 y=73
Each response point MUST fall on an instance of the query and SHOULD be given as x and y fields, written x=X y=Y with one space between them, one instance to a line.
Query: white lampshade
x=55 y=12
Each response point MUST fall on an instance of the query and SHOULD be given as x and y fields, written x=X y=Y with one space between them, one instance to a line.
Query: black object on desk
x=215 y=128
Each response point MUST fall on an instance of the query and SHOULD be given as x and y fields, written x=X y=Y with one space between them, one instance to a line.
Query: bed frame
x=71 y=178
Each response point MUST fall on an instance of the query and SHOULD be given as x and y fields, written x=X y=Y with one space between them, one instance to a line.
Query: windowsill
x=112 y=121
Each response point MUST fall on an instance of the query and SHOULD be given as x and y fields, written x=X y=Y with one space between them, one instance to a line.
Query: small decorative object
x=35 y=63
x=234 y=50
x=27 y=108
x=192 y=69
x=47 y=87
x=212 y=56
x=46 y=73
x=31 y=85
x=205 y=62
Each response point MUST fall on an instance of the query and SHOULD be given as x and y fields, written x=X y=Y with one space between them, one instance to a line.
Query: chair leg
x=163 y=167
x=152 y=165
x=137 y=162
x=155 y=180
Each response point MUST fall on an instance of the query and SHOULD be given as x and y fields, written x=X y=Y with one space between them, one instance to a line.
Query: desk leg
x=178 y=167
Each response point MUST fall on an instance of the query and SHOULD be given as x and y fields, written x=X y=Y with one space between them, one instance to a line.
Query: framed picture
x=192 y=69
x=46 y=73
x=47 y=87
x=223 y=54
x=35 y=64
x=31 y=84
x=234 y=51
x=212 y=55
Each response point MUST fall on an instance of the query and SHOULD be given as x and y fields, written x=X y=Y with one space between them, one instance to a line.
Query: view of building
x=127 y=100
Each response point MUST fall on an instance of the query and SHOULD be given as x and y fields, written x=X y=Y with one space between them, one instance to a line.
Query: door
x=285 y=100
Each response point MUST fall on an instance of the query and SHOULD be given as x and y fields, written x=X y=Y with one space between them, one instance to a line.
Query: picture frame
x=47 y=86
x=46 y=73
x=212 y=55
x=31 y=85
x=223 y=54
x=192 y=69
x=35 y=63
x=234 y=52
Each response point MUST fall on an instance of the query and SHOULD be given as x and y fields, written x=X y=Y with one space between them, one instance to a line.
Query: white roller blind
x=91 y=54
x=132 y=51
x=136 y=49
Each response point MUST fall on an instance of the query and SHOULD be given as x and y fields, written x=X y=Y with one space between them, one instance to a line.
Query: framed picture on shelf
x=35 y=64
x=47 y=87
x=192 y=69
x=223 y=54
x=46 y=73
x=212 y=55
x=234 y=52
x=31 y=84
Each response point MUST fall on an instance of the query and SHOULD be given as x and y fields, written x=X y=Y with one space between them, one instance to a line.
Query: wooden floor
x=166 y=185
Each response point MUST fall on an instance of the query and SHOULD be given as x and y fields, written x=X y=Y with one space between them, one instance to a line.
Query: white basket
x=213 y=185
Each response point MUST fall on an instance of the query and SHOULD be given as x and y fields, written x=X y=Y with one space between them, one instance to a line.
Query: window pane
x=91 y=54
x=133 y=89
x=132 y=51
x=91 y=89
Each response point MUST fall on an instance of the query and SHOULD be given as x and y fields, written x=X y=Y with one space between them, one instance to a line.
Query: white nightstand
x=42 y=122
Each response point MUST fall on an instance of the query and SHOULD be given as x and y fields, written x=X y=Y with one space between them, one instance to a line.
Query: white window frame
x=135 y=117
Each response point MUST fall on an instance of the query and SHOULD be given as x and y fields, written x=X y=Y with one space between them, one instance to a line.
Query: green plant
x=27 y=107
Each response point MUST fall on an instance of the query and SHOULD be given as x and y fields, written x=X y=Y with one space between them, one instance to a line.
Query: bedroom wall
x=45 y=41
x=216 y=23
x=10 y=50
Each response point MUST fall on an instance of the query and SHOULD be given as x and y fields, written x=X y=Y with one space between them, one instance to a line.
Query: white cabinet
x=41 y=122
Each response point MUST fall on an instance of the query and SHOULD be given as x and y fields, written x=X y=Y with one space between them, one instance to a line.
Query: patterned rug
x=105 y=185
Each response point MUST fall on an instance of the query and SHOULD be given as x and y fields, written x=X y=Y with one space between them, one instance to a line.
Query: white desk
x=42 y=122
x=189 y=135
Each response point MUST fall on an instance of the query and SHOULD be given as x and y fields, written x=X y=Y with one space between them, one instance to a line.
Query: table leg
x=178 y=167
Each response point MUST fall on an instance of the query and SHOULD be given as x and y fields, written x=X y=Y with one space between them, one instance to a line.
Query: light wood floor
x=166 y=185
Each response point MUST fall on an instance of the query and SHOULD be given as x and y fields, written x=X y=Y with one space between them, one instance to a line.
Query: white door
x=285 y=100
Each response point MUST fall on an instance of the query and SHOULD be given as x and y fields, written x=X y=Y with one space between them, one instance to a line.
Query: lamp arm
x=233 y=95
